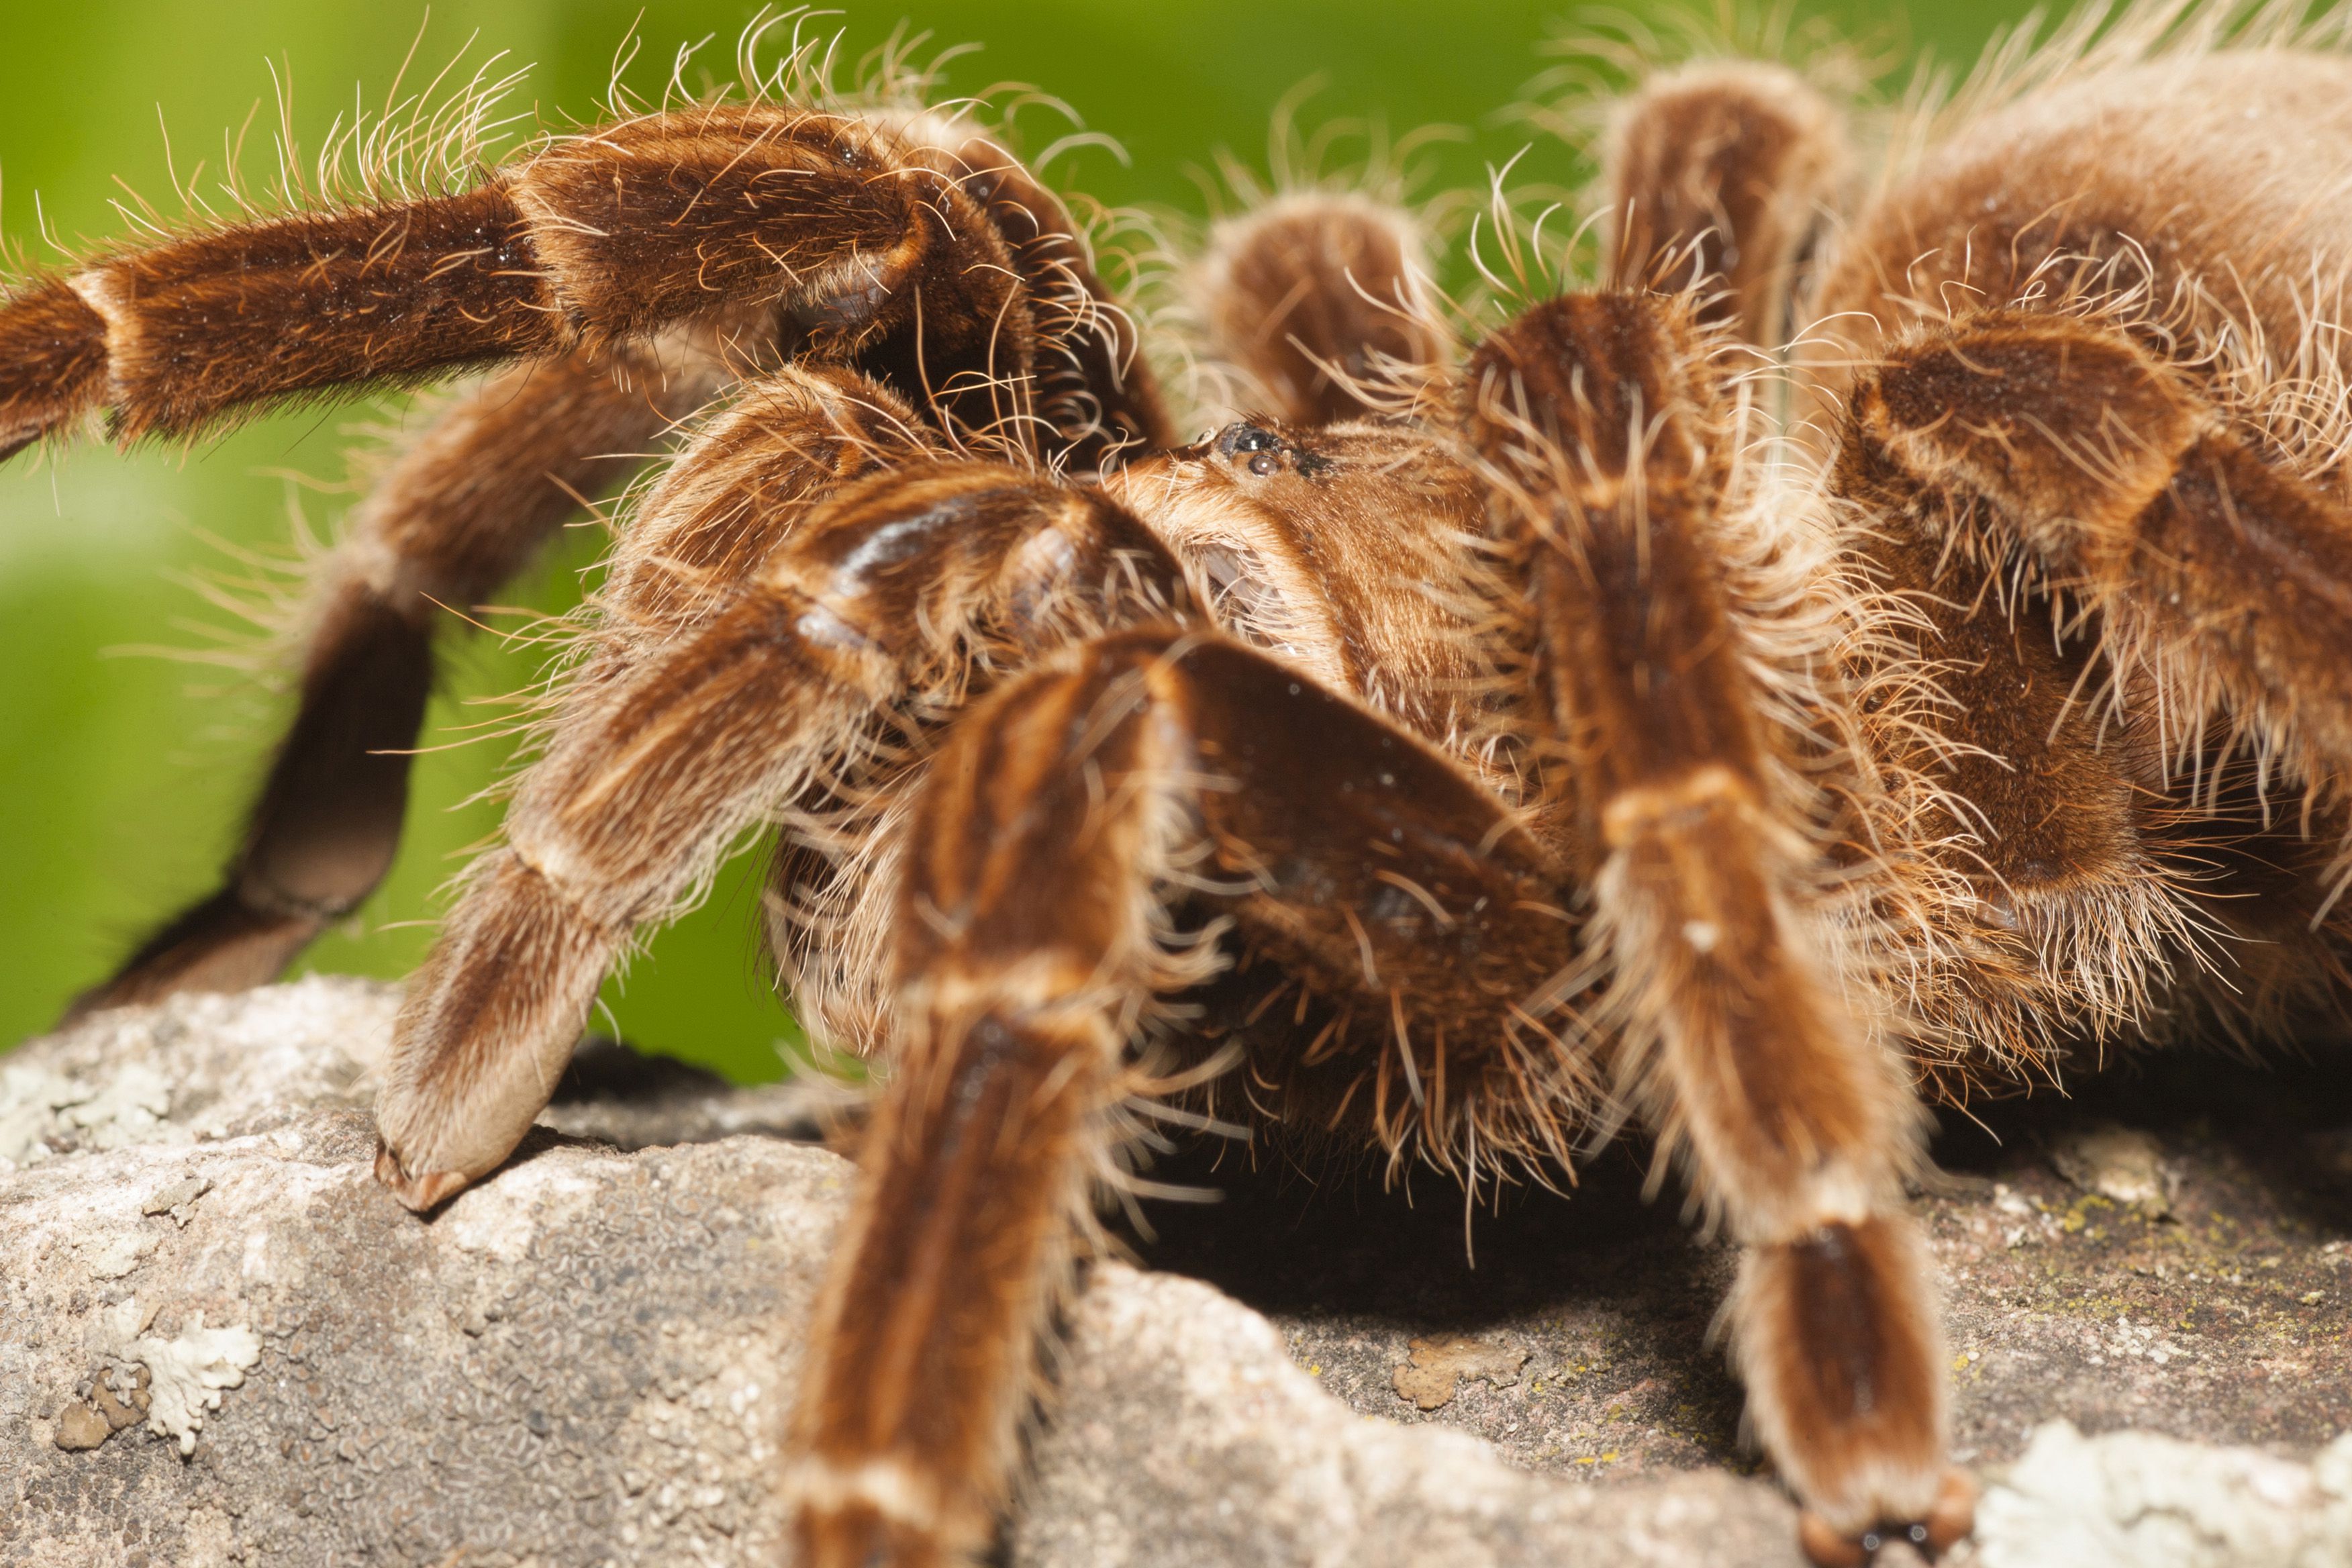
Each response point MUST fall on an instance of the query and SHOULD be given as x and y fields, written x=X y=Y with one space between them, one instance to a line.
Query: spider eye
x=1239 y=438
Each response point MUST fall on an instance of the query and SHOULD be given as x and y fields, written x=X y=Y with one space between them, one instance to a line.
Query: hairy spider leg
x=1719 y=178
x=864 y=242
x=876 y=605
x=2223 y=579
x=1794 y=1124
x=2040 y=854
x=1071 y=831
x=462 y=510
x=1318 y=298
x=2213 y=586
x=1096 y=395
x=470 y=502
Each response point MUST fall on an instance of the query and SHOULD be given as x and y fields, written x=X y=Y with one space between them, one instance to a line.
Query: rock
x=225 y=1343
x=579 y=1362
x=1187 y=1439
x=82 y=1426
x=1438 y=1365
x=2117 y=1163
x=175 y=1199
x=2132 y=1500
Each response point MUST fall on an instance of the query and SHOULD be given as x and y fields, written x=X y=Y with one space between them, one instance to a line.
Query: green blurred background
x=122 y=771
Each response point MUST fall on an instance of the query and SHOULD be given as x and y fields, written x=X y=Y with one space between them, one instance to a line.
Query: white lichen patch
x=2133 y=1500
x=30 y=1098
x=190 y=1373
x=41 y=1111
x=126 y=1109
x=195 y=1069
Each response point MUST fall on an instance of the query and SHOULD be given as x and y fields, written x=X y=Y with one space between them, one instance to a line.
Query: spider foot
x=860 y=1536
x=420 y=1192
x=1948 y=1522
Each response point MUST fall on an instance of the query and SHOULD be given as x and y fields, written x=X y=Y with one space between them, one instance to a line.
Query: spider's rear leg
x=781 y=676
x=2223 y=578
x=864 y=243
x=1314 y=297
x=458 y=515
x=1033 y=927
x=1605 y=429
x=1719 y=178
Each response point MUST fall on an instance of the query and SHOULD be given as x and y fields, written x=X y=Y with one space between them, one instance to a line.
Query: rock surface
x=221 y=1342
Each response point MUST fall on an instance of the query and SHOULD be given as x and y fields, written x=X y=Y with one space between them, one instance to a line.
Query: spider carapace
x=1609 y=718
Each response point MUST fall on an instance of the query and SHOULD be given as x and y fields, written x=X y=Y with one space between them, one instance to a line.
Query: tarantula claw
x=1954 y=1514
x=1949 y=1521
x=419 y=1193
x=1826 y=1547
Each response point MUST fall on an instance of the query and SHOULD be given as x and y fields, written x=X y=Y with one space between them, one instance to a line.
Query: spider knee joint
x=1641 y=813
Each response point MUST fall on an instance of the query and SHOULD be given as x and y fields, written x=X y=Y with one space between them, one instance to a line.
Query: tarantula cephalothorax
x=1441 y=780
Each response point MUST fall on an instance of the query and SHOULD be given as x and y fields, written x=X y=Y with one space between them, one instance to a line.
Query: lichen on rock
x=188 y=1374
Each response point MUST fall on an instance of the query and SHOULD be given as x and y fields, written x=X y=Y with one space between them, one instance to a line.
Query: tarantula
x=1465 y=755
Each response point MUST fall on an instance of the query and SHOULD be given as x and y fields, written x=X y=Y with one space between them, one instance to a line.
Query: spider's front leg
x=867 y=244
x=1604 y=431
x=760 y=652
x=458 y=515
x=1032 y=932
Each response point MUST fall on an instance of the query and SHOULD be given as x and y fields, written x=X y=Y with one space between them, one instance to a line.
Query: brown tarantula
x=1468 y=753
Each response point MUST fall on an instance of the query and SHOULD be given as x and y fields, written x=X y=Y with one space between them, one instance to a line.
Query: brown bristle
x=449 y=1114
x=1593 y=384
x=323 y=832
x=671 y=216
x=221 y=942
x=1093 y=380
x=2117 y=479
x=328 y=818
x=1446 y=767
x=2060 y=424
x=946 y=271
x=1018 y=961
x=629 y=809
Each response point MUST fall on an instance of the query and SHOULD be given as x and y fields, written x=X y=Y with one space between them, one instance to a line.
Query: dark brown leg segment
x=881 y=602
x=458 y=514
x=1599 y=419
x=1064 y=814
x=1718 y=177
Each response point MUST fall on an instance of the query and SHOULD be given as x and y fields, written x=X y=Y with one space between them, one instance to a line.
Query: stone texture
x=583 y=1361
x=2131 y=1500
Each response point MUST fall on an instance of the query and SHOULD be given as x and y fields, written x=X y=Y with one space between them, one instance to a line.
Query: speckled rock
x=221 y=1342
x=577 y=1362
